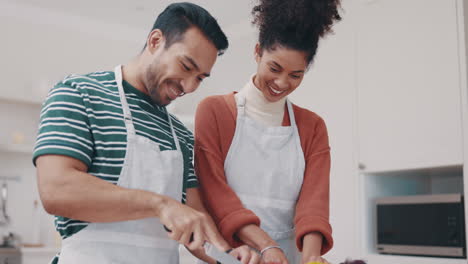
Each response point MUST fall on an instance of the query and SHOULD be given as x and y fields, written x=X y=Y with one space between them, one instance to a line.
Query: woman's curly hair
x=295 y=24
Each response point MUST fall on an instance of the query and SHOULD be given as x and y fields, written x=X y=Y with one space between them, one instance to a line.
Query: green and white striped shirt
x=82 y=118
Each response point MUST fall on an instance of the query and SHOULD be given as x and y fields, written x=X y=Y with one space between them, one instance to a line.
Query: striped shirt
x=82 y=118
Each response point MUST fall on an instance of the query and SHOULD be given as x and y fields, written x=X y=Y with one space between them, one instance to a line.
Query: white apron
x=138 y=241
x=265 y=168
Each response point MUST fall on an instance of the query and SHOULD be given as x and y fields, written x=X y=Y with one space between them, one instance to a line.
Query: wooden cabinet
x=408 y=85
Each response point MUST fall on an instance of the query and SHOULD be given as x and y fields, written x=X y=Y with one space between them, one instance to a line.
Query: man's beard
x=152 y=84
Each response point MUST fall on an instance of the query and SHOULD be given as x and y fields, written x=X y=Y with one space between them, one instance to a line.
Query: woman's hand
x=315 y=260
x=245 y=255
x=274 y=256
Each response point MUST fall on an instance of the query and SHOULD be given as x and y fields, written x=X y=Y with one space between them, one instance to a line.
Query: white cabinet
x=408 y=80
x=410 y=104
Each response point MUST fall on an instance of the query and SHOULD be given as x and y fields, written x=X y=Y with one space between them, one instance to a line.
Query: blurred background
x=390 y=84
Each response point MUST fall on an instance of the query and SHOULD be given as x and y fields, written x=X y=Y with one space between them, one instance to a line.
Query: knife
x=221 y=257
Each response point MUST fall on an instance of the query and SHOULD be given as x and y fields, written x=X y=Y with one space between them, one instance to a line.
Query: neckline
x=128 y=88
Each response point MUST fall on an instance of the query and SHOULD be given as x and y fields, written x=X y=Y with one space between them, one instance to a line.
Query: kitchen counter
x=10 y=255
x=38 y=255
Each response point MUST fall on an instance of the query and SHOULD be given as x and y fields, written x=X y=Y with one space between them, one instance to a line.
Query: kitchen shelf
x=39 y=250
x=423 y=181
x=446 y=168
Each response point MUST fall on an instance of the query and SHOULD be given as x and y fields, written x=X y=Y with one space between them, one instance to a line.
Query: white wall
x=329 y=90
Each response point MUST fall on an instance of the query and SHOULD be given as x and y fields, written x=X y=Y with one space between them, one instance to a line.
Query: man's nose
x=189 y=86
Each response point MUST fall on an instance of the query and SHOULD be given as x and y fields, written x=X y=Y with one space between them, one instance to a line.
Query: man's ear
x=155 y=40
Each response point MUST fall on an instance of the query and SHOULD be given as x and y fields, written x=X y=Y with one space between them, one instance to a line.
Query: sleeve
x=64 y=127
x=220 y=200
x=312 y=209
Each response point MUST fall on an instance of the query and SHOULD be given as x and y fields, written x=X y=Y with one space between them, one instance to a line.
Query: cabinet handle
x=361 y=166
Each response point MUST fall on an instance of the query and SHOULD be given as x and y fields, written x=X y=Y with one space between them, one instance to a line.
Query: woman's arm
x=312 y=208
x=312 y=248
x=214 y=130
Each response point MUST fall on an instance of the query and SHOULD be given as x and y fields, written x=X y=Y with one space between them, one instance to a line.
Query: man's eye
x=295 y=76
x=274 y=70
x=186 y=67
x=200 y=79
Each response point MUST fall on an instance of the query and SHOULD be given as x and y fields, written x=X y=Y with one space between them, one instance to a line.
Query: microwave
x=421 y=225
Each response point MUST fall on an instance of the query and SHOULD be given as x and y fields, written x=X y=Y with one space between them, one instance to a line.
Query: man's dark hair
x=295 y=24
x=178 y=17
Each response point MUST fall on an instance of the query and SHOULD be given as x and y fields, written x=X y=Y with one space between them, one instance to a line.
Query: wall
x=329 y=90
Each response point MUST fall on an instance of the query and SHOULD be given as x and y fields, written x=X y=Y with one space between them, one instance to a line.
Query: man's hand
x=187 y=226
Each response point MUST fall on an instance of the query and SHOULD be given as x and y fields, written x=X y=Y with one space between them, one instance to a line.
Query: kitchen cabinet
x=410 y=107
x=408 y=85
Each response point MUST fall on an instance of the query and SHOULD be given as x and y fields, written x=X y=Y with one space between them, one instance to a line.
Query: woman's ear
x=258 y=52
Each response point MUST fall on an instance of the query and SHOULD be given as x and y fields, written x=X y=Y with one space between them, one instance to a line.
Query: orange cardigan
x=215 y=123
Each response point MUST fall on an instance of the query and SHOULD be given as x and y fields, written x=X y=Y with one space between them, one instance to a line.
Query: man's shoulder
x=100 y=79
x=101 y=84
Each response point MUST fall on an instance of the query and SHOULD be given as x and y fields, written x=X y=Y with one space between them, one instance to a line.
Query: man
x=114 y=166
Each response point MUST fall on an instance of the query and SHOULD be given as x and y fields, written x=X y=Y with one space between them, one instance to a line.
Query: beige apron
x=265 y=168
x=138 y=241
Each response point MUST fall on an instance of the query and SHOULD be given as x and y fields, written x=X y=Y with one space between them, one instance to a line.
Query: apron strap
x=123 y=100
x=292 y=119
x=240 y=105
x=176 y=139
x=126 y=108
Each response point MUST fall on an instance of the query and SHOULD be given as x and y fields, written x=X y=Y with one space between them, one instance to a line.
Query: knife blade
x=220 y=256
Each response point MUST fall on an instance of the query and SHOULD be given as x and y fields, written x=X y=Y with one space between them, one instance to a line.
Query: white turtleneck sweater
x=258 y=108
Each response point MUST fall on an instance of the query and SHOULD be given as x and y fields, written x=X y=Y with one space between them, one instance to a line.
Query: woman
x=263 y=163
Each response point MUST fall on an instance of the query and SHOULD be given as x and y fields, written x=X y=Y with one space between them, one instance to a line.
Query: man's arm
x=194 y=201
x=243 y=253
x=67 y=190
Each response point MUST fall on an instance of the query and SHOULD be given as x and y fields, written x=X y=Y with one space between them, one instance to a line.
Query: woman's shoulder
x=313 y=131
x=217 y=103
x=216 y=100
